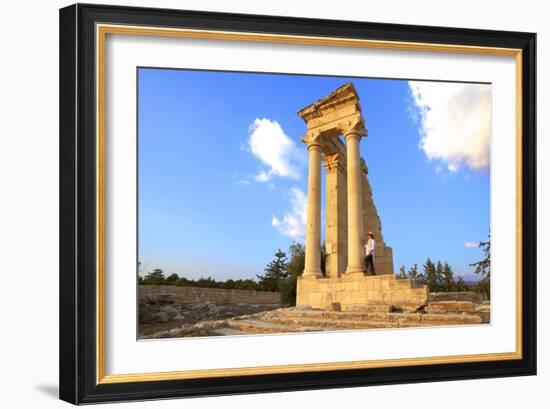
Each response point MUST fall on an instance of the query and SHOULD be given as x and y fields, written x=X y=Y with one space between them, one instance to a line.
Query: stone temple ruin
x=345 y=297
x=350 y=215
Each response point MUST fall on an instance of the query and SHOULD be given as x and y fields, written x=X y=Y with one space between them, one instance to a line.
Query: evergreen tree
x=414 y=275
x=229 y=284
x=297 y=260
x=155 y=276
x=430 y=274
x=483 y=267
x=295 y=268
x=402 y=272
x=172 y=277
x=247 y=284
x=275 y=272
x=448 y=279
x=207 y=282
x=460 y=284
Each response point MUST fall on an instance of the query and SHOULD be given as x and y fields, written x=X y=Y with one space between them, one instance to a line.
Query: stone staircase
x=483 y=309
x=372 y=317
x=357 y=317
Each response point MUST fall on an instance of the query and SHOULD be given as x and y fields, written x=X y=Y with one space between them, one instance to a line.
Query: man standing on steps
x=369 y=254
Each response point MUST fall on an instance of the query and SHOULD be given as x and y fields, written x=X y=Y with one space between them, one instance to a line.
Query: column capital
x=311 y=137
x=356 y=130
x=312 y=141
x=335 y=161
x=315 y=145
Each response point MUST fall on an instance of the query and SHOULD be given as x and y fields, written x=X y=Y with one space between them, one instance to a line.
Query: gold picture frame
x=96 y=23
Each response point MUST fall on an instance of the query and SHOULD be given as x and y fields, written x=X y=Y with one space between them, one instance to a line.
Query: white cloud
x=244 y=182
x=275 y=149
x=454 y=122
x=293 y=223
x=471 y=244
x=262 y=176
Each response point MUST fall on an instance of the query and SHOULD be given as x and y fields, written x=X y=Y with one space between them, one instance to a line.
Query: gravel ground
x=203 y=311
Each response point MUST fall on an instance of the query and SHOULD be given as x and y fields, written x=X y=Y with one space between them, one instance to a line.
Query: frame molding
x=82 y=35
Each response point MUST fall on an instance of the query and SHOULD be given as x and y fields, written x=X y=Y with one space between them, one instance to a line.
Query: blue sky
x=223 y=174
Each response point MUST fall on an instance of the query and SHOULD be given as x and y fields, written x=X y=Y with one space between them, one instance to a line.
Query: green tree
x=295 y=268
x=247 y=284
x=172 y=278
x=460 y=284
x=229 y=284
x=207 y=282
x=430 y=273
x=415 y=275
x=184 y=282
x=402 y=272
x=275 y=272
x=154 y=277
x=447 y=281
x=297 y=260
x=483 y=267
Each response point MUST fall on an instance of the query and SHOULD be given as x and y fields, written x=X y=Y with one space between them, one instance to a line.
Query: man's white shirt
x=369 y=247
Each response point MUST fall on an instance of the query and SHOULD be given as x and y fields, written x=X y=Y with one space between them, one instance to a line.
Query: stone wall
x=215 y=295
x=355 y=290
x=458 y=296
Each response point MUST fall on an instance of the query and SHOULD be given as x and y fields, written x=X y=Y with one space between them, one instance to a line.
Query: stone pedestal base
x=353 y=290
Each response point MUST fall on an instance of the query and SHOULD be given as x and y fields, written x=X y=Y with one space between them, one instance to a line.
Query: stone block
x=371 y=285
x=160 y=316
x=441 y=307
x=399 y=295
x=359 y=297
x=485 y=316
x=359 y=289
x=482 y=307
x=352 y=286
x=465 y=306
x=458 y=296
x=165 y=298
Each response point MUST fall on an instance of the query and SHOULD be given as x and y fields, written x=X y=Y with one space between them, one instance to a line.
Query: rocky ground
x=161 y=313
x=208 y=319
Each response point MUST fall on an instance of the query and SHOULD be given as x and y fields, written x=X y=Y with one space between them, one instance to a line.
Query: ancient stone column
x=336 y=226
x=312 y=266
x=356 y=263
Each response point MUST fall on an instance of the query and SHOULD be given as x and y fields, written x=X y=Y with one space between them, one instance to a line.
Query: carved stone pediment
x=335 y=114
x=343 y=97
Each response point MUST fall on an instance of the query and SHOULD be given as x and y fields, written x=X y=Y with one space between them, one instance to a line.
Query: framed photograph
x=257 y=203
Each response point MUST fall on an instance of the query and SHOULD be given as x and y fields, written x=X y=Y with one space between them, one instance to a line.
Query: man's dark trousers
x=369 y=264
